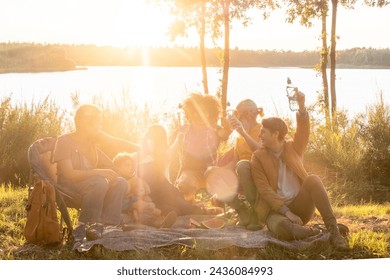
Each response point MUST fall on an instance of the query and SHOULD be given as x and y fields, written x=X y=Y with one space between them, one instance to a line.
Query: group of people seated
x=134 y=187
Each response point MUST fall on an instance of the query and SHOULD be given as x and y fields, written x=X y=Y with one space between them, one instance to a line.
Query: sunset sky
x=131 y=23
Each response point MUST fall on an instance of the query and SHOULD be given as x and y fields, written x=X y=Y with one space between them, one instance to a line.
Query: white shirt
x=288 y=182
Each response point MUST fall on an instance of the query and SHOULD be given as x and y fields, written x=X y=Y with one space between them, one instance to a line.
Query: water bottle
x=181 y=117
x=292 y=92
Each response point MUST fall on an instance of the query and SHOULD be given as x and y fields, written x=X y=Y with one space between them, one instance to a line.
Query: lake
x=163 y=88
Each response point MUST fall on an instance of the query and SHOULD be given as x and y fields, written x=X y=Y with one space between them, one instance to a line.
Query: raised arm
x=301 y=137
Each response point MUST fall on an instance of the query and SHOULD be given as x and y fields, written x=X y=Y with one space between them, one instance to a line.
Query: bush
x=376 y=137
x=20 y=125
x=355 y=155
x=341 y=149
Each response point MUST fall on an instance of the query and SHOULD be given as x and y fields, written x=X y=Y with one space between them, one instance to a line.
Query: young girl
x=143 y=210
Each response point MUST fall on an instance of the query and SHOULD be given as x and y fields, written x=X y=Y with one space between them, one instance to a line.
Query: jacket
x=264 y=167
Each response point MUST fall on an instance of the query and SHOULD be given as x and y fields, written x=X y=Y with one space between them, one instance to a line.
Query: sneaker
x=254 y=227
x=343 y=229
x=79 y=233
x=338 y=241
x=95 y=231
x=254 y=224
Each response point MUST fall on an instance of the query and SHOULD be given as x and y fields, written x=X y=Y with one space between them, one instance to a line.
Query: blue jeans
x=101 y=200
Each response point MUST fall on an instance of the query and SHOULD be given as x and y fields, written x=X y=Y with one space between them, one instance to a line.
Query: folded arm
x=65 y=167
x=112 y=145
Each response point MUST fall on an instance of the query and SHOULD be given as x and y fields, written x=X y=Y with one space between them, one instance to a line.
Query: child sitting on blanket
x=143 y=211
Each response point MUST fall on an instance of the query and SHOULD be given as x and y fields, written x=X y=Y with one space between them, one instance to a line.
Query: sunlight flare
x=140 y=24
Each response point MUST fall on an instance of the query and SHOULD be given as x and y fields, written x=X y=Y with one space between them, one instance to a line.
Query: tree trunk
x=226 y=57
x=324 y=62
x=203 y=48
x=333 y=63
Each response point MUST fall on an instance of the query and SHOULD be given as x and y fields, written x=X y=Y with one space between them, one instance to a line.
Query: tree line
x=16 y=57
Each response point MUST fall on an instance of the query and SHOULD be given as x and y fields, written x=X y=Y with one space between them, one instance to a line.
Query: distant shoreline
x=38 y=70
x=35 y=58
x=45 y=70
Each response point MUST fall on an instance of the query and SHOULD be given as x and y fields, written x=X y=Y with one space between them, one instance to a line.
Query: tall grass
x=376 y=136
x=12 y=218
x=355 y=155
x=20 y=125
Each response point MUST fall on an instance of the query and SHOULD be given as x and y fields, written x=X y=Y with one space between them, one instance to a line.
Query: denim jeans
x=312 y=195
x=101 y=200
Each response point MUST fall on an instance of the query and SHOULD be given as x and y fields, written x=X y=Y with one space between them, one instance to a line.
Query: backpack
x=42 y=226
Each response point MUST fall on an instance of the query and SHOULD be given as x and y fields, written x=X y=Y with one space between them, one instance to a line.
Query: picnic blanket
x=144 y=237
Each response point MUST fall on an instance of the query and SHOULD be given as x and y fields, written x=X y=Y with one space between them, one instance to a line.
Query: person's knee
x=99 y=184
x=313 y=182
x=120 y=184
x=313 y=179
x=243 y=167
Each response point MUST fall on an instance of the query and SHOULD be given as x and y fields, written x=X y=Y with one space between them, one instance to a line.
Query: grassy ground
x=369 y=237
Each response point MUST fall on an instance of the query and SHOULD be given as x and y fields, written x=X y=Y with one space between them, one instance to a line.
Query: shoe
x=254 y=224
x=79 y=233
x=95 y=231
x=242 y=210
x=254 y=227
x=338 y=241
x=343 y=229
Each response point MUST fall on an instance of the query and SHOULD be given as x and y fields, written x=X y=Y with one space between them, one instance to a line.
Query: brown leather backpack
x=42 y=226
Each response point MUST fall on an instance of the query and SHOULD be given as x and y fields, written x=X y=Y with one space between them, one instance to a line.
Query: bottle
x=292 y=92
x=181 y=119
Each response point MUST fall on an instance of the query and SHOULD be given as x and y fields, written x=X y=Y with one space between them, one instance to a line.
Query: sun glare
x=141 y=24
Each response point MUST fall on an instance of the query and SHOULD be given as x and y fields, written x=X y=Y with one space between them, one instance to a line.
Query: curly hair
x=203 y=108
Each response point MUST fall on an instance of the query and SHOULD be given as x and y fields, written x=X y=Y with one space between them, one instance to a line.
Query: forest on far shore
x=31 y=57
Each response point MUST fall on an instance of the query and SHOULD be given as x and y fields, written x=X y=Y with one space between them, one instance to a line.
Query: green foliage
x=340 y=149
x=364 y=210
x=376 y=137
x=20 y=126
x=12 y=216
x=356 y=155
x=34 y=57
x=373 y=241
